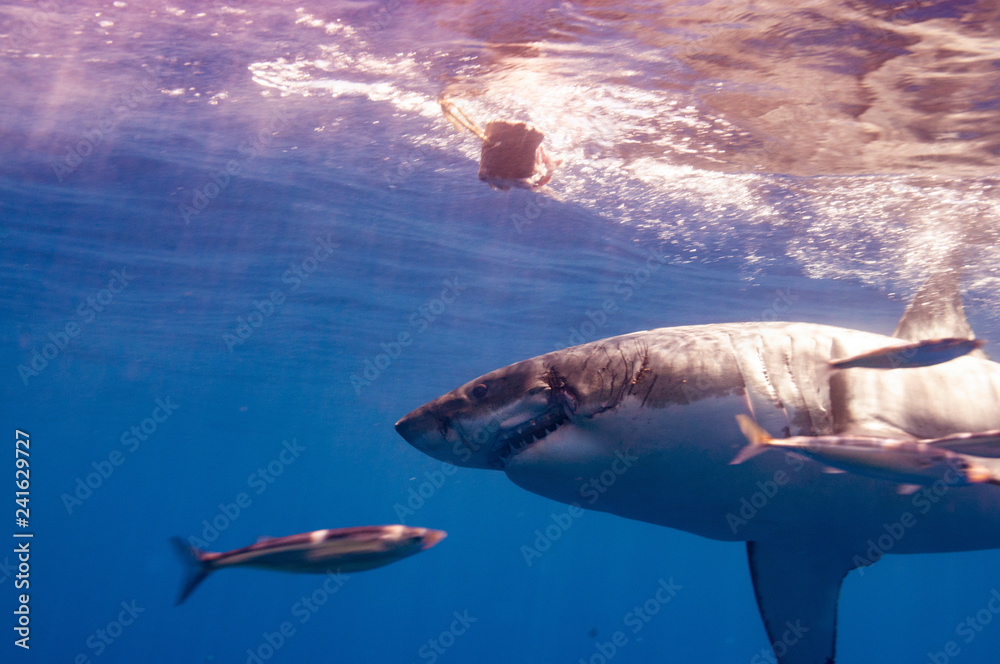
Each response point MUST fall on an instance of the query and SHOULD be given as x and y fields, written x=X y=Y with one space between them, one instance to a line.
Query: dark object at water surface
x=512 y=154
x=509 y=151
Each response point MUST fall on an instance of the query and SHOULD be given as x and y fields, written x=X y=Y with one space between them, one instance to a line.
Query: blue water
x=275 y=199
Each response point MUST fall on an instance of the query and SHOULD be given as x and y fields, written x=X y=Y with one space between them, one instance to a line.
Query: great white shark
x=665 y=401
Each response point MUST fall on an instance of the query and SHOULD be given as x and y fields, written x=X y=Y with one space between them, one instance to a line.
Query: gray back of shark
x=657 y=408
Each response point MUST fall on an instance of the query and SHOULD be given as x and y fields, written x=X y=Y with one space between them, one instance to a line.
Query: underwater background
x=226 y=217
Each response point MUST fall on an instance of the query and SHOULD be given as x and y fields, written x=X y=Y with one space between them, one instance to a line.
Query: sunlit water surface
x=240 y=208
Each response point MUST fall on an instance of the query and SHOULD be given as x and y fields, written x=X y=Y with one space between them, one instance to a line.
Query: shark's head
x=574 y=409
x=608 y=425
x=489 y=420
x=618 y=425
x=631 y=425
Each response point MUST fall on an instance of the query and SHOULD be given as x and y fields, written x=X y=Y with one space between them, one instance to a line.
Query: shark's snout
x=432 y=431
x=423 y=429
x=413 y=426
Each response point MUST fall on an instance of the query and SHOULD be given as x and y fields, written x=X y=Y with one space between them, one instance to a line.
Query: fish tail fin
x=195 y=567
x=759 y=439
x=977 y=473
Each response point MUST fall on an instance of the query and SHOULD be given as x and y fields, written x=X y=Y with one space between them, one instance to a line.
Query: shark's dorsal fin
x=936 y=310
x=797 y=587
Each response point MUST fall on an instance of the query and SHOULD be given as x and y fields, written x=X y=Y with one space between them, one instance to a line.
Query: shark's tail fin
x=758 y=438
x=195 y=567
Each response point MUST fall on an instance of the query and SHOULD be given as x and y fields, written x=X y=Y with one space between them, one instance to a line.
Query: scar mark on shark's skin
x=554 y=379
x=561 y=390
x=628 y=371
x=651 y=385
x=583 y=367
x=643 y=369
x=601 y=372
x=613 y=399
x=626 y=378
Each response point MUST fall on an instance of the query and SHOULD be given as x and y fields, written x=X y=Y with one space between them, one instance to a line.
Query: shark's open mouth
x=515 y=439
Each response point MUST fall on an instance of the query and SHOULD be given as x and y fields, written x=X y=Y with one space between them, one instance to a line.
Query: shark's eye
x=479 y=391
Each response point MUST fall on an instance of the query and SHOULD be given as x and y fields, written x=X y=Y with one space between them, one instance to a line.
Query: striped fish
x=959 y=460
x=322 y=551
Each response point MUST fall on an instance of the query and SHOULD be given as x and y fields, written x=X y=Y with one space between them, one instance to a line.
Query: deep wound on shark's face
x=643 y=426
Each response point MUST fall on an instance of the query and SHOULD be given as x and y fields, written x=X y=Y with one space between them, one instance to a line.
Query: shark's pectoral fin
x=797 y=587
x=915 y=354
x=985 y=444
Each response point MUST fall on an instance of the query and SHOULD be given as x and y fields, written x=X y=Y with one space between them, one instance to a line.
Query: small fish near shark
x=924 y=353
x=911 y=463
x=343 y=550
x=668 y=398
